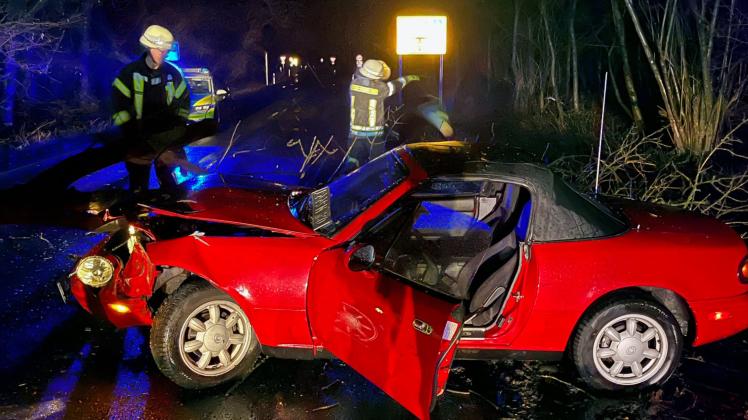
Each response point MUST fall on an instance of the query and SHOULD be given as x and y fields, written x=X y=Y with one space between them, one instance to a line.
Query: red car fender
x=249 y=270
x=571 y=277
x=138 y=275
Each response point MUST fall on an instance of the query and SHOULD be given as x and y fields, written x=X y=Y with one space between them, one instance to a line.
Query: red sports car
x=418 y=257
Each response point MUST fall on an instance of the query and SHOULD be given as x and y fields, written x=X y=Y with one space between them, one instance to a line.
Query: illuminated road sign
x=421 y=35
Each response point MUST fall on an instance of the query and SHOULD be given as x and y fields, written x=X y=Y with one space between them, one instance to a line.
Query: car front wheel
x=201 y=338
x=627 y=345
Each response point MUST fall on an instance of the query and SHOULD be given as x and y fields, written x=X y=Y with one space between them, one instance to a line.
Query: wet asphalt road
x=58 y=362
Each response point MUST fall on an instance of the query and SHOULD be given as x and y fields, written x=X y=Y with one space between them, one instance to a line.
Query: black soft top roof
x=559 y=213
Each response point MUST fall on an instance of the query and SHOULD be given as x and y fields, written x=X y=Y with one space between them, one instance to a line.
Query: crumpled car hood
x=236 y=200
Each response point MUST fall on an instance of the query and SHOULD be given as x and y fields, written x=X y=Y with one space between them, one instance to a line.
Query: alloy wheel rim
x=214 y=338
x=630 y=349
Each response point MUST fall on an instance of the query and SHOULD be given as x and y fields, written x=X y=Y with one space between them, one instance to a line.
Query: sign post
x=441 y=77
x=423 y=35
x=400 y=74
x=267 y=70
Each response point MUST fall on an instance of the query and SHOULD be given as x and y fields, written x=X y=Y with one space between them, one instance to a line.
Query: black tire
x=600 y=373
x=165 y=338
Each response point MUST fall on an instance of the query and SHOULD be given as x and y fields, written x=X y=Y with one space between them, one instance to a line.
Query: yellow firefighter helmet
x=375 y=69
x=157 y=37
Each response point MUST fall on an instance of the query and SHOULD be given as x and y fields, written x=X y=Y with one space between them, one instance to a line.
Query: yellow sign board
x=424 y=35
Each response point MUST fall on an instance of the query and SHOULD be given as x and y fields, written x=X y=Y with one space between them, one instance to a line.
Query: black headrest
x=502 y=249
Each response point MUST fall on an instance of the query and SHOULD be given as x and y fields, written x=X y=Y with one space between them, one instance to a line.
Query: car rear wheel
x=627 y=345
x=201 y=338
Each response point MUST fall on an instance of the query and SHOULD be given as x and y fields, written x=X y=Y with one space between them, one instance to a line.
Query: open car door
x=399 y=336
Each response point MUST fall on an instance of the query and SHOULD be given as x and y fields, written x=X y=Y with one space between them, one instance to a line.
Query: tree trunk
x=727 y=55
x=614 y=85
x=567 y=76
x=628 y=77
x=706 y=41
x=574 y=57
x=515 y=59
x=552 y=55
x=489 y=62
x=678 y=138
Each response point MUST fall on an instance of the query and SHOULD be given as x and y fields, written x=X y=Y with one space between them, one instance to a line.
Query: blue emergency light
x=173 y=54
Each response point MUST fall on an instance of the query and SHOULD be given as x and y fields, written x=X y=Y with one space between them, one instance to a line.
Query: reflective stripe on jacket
x=148 y=101
x=367 y=104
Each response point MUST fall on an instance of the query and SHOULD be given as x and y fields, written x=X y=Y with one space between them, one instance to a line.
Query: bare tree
x=696 y=113
x=27 y=46
x=618 y=24
x=574 y=57
x=552 y=71
x=515 y=58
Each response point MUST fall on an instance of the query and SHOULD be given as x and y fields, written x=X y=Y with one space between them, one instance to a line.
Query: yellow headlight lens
x=94 y=271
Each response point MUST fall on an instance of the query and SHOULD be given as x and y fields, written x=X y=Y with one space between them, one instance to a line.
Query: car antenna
x=602 y=132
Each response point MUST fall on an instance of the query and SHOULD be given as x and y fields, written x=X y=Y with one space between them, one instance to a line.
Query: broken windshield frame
x=352 y=194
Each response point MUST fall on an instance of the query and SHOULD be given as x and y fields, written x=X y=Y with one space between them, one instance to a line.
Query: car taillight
x=743 y=270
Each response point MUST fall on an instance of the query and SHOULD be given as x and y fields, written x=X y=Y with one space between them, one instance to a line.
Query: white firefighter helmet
x=375 y=69
x=157 y=37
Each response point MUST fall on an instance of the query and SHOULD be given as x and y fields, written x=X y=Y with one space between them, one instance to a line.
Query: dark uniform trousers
x=139 y=158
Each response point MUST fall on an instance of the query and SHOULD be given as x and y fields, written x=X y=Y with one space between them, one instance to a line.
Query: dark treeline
x=525 y=76
x=544 y=57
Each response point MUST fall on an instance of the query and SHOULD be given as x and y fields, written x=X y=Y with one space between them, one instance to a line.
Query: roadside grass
x=55 y=120
x=537 y=138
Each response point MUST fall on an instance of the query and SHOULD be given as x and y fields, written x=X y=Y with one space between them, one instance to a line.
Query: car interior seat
x=461 y=276
x=486 y=300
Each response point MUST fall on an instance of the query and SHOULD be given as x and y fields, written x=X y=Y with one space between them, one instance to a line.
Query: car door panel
x=520 y=299
x=398 y=336
x=515 y=307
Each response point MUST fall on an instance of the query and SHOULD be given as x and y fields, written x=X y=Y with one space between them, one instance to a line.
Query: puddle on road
x=117 y=375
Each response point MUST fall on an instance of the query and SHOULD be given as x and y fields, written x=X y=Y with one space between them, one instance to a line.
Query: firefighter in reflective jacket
x=368 y=92
x=151 y=106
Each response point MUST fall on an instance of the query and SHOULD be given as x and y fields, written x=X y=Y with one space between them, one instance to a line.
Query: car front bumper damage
x=123 y=301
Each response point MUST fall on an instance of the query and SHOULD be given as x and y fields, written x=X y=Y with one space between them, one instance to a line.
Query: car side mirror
x=362 y=258
x=221 y=94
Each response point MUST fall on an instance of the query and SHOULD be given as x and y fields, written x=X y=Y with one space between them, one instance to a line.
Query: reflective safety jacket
x=367 y=104
x=147 y=101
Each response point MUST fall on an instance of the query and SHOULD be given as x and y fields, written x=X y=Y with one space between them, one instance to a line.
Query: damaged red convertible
x=417 y=258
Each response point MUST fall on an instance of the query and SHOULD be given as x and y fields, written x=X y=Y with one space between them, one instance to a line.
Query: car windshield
x=350 y=195
x=200 y=87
